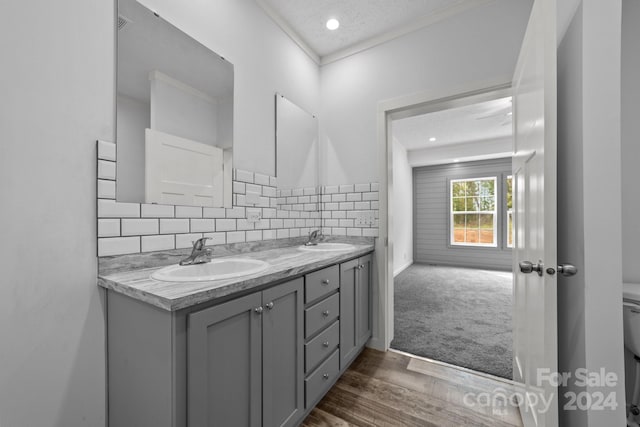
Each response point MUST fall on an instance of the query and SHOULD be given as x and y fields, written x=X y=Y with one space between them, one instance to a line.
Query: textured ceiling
x=477 y=122
x=360 y=20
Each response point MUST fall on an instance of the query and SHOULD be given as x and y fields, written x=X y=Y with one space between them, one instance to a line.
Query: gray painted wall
x=431 y=215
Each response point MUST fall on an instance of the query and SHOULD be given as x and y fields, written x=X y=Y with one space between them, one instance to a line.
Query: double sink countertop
x=131 y=274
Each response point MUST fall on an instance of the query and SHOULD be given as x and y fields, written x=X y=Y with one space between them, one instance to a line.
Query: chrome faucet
x=314 y=236
x=199 y=254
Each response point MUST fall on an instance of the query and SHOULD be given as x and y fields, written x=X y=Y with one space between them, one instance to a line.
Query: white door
x=179 y=171
x=534 y=199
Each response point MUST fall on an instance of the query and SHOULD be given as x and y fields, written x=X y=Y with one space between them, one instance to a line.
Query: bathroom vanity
x=258 y=350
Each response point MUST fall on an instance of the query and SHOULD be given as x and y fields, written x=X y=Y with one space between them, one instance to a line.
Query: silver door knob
x=529 y=267
x=325 y=344
x=258 y=310
x=566 y=270
x=269 y=305
x=325 y=282
x=325 y=313
x=325 y=376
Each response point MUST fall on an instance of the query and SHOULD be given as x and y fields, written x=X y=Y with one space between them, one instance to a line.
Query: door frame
x=389 y=110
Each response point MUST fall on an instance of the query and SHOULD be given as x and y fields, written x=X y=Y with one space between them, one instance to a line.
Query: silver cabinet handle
x=325 y=313
x=258 y=310
x=325 y=282
x=269 y=305
x=325 y=376
x=325 y=344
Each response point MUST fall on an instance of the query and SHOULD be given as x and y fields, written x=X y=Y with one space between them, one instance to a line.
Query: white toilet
x=631 y=321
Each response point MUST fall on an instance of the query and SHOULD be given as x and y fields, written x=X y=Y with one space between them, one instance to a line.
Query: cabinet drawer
x=321 y=283
x=321 y=379
x=321 y=314
x=321 y=346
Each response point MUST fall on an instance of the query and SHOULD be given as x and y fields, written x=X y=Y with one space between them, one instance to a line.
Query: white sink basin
x=217 y=269
x=326 y=247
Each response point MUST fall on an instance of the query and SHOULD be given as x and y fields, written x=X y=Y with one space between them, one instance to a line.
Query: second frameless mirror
x=296 y=147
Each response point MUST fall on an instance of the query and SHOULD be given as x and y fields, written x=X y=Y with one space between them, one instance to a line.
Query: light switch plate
x=364 y=219
x=253 y=217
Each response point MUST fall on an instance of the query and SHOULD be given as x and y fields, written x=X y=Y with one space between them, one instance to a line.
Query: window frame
x=508 y=211
x=495 y=212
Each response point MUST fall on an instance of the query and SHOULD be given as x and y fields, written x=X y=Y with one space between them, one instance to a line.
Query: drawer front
x=321 y=315
x=320 y=283
x=316 y=350
x=321 y=379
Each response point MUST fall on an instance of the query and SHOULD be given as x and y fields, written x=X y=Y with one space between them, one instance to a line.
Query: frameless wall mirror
x=296 y=146
x=174 y=114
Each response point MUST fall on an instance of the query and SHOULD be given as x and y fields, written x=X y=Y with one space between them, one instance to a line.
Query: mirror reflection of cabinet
x=174 y=114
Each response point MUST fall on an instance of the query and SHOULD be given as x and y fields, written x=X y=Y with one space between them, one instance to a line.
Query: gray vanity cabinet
x=245 y=365
x=355 y=307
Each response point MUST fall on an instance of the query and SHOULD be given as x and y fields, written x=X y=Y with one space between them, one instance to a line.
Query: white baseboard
x=402 y=268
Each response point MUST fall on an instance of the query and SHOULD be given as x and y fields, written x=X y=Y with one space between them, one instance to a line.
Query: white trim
x=494 y=213
x=408 y=106
x=293 y=35
x=402 y=268
x=418 y=24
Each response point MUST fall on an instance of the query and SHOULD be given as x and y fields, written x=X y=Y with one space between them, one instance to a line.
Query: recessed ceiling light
x=456 y=160
x=432 y=139
x=333 y=24
x=509 y=113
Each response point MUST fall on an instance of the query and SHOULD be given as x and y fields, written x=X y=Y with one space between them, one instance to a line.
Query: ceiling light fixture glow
x=333 y=24
x=432 y=139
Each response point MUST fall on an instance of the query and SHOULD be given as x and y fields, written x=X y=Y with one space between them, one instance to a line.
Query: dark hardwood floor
x=394 y=389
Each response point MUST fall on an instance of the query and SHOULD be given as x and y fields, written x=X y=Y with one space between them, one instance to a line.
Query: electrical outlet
x=364 y=219
x=253 y=216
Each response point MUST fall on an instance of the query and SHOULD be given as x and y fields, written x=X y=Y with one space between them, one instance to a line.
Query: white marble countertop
x=284 y=263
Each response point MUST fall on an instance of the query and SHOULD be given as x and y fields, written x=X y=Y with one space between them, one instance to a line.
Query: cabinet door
x=225 y=364
x=348 y=304
x=363 y=301
x=282 y=349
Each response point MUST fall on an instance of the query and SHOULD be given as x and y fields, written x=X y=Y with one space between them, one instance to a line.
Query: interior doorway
x=451 y=231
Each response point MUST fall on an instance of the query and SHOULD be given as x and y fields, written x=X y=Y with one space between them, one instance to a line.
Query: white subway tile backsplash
x=244 y=176
x=370 y=232
x=357 y=232
x=346 y=206
x=106 y=170
x=326 y=198
x=346 y=188
x=262 y=224
x=354 y=197
x=225 y=224
x=331 y=189
x=217 y=238
x=370 y=196
x=332 y=223
x=174 y=225
x=269 y=234
x=340 y=197
x=188 y=212
x=338 y=214
x=158 y=243
x=360 y=188
x=269 y=191
x=362 y=205
x=213 y=212
x=337 y=231
x=109 y=227
x=374 y=205
x=269 y=213
x=309 y=191
x=118 y=245
x=254 y=235
x=106 y=151
x=331 y=206
x=261 y=179
x=282 y=233
x=295 y=214
x=375 y=186
x=236 y=237
x=283 y=214
x=106 y=189
x=346 y=223
x=289 y=223
x=243 y=224
x=158 y=211
x=186 y=240
x=253 y=188
x=294 y=232
x=297 y=192
x=139 y=227
x=277 y=223
x=113 y=209
x=201 y=225
x=236 y=212
x=273 y=181
x=239 y=187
